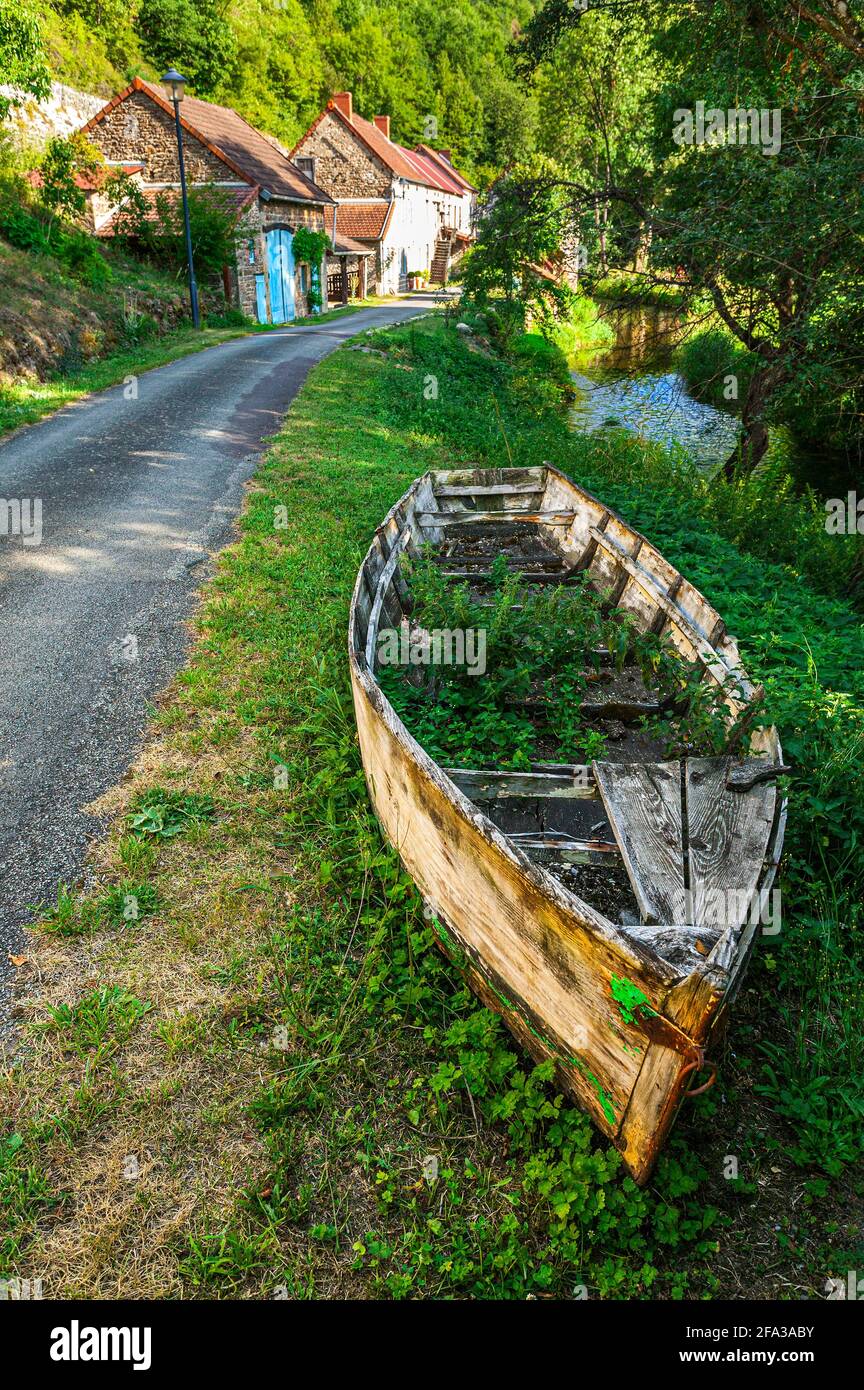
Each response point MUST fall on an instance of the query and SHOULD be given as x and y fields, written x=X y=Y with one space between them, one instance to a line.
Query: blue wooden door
x=261 y=298
x=280 y=272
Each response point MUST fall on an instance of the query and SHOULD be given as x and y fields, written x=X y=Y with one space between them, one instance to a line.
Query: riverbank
x=269 y=1080
x=817 y=450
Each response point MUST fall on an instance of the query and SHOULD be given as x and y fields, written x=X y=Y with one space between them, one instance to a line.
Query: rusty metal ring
x=699 y=1065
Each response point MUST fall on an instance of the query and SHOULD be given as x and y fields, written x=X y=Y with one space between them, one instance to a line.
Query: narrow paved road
x=134 y=493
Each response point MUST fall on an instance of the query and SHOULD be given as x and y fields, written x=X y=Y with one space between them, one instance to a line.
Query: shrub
x=22 y=229
x=227 y=318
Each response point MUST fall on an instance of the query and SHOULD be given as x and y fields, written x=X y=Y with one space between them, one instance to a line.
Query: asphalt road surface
x=133 y=493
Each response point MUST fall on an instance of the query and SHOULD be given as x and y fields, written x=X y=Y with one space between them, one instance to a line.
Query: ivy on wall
x=312 y=247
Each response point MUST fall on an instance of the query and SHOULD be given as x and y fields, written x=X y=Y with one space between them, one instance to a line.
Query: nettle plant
x=545 y=647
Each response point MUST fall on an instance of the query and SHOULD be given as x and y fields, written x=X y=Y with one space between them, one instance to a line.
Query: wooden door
x=280 y=272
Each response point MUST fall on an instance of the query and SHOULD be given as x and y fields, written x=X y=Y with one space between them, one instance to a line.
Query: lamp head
x=174 y=84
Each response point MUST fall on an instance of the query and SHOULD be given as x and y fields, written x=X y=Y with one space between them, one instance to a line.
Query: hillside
x=50 y=321
x=440 y=70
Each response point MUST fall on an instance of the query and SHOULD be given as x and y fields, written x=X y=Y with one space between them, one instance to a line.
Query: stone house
x=410 y=207
x=271 y=195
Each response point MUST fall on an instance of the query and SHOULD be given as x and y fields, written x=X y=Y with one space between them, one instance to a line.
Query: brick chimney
x=383 y=124
x=342 y=102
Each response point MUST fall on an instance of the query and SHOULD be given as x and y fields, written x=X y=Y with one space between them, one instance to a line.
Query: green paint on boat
x=605 y=1102
x=630 y=1000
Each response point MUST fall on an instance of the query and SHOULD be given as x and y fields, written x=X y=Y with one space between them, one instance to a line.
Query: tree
x=770 y=230
x=63 y=164
x=23 y=63
x=196 y=34
x=525 y=223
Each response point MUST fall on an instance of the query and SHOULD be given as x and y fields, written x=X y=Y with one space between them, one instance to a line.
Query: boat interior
x=675 y=851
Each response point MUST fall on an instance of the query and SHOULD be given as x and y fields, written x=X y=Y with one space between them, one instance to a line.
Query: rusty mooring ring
x=698 y=1065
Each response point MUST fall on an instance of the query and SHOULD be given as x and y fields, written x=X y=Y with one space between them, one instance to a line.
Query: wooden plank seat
x=574 y=780
x=692 y=844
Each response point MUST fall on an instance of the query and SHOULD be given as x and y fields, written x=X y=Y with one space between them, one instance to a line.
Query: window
x=304 y=279
x=307 y=167
x=251 y=246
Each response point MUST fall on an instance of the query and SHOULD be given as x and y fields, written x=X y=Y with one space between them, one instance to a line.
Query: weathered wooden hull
x=625 y=1024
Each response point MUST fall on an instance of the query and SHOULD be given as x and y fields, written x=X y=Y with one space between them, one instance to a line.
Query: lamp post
x=174 y=84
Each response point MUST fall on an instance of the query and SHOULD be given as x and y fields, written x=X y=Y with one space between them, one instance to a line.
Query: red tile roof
x=89 y=182
x=414 y=165
x=343 y=242
x=255 y=157
x=365 y=221
x=443 y=164
x=436 y=175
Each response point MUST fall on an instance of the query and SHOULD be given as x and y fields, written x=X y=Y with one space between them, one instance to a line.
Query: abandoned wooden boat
x=625 y=1008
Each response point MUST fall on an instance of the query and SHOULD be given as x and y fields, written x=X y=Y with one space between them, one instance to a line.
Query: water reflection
x=659 y=408
x=631 y=386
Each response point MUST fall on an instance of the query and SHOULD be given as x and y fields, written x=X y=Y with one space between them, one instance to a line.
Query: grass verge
x=25 y=401
x=246 y=1069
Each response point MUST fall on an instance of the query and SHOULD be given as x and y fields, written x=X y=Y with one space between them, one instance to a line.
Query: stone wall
x=344 y=167
x=139 y=131
x=33 y=122
x=252 y=249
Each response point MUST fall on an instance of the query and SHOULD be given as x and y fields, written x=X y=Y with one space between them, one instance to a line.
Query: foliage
x=64 y=163
x=23 y=63
x=164 y=814
x=540 y=665
x=195 y=33
x=35 y=228
x=312 y=247
x=525 y=221
x=788 y=288
x=158 y=228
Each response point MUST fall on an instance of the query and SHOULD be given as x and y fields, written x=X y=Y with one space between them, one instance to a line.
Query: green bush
x=706 y=359
x=227 y=318
x=22 y=229
x=79 y=253
x=32 y=228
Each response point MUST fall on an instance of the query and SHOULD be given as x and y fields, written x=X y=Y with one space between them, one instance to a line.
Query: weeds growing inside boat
x=567 y=677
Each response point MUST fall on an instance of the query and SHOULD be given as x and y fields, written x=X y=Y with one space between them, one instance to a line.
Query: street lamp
x=174 y=84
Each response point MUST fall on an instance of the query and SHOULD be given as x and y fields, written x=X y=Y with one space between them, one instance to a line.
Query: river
x=633 y=384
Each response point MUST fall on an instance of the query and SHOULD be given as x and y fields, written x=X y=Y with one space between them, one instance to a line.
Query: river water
x=633 y=384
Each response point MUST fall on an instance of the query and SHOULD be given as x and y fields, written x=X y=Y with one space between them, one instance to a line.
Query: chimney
x=383 y=124
x=342 y=102
x=447 y=154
